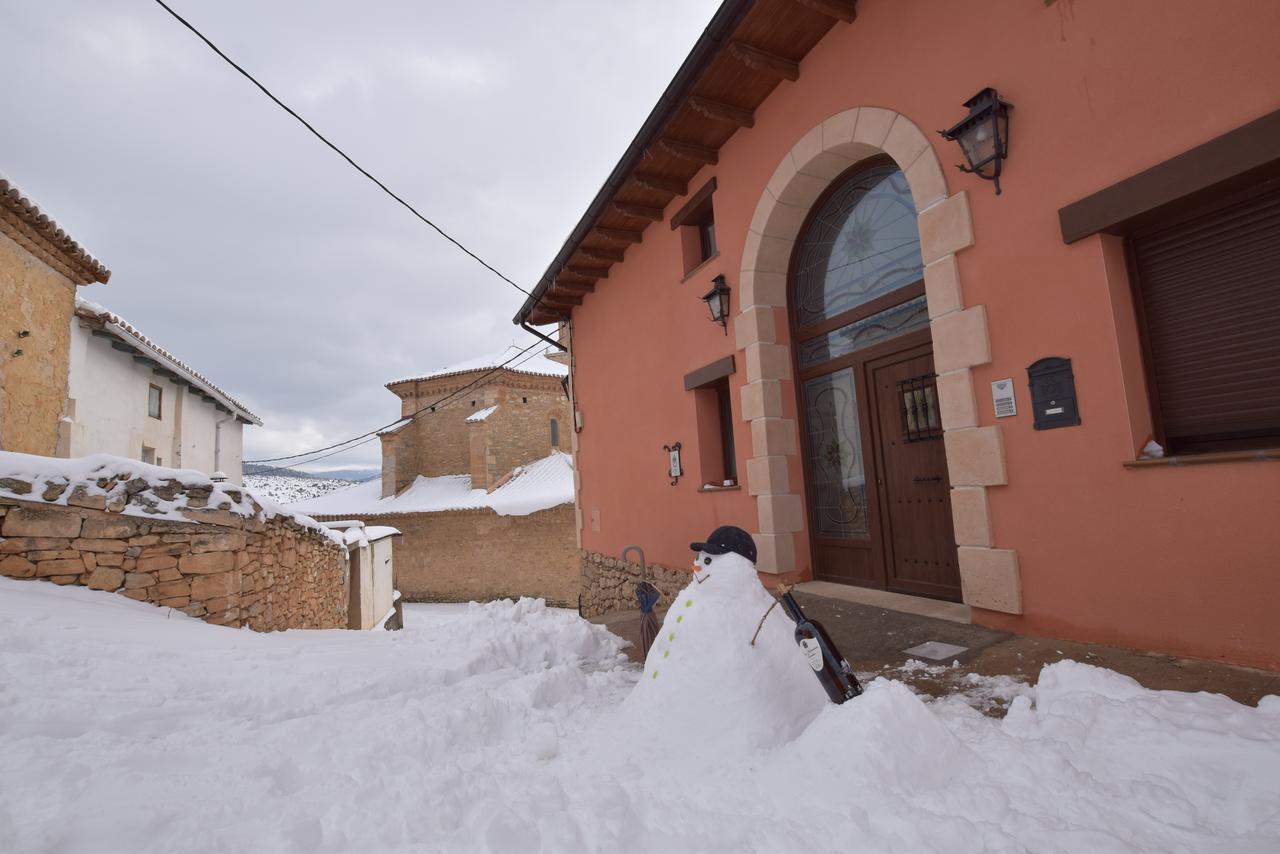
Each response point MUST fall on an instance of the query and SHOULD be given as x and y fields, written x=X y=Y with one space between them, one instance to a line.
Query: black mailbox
x=1053 y=393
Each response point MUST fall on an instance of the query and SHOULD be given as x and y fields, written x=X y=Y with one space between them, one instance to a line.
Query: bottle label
x=812 y=651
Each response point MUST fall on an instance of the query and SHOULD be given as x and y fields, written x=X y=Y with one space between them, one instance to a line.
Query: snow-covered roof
x=539 y=485
x=482 y=415
x=537 y=364
x=116 y=326
x=34 y=230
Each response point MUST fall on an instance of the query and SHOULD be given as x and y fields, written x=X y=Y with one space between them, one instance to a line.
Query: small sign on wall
x=1002 y=396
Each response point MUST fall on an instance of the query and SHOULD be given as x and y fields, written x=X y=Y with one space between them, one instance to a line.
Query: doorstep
x=954 y=612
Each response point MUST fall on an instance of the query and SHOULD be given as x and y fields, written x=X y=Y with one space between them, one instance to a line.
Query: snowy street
x=512 y=727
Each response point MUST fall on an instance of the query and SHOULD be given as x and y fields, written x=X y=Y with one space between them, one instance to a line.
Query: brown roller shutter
x=1209 y=288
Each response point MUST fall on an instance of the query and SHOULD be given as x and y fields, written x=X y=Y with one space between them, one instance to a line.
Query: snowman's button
x=688 y=603
x=671 y=636
x=666 y=653
x=655 y=674
x=680 y=618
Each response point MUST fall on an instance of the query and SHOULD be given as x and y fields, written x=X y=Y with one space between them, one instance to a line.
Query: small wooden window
x=697 y=224
x=155 y=398
x=714 y=414
x=728 y=455
x=1207 y=285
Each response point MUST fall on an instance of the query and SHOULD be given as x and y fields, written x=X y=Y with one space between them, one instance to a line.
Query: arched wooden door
x=875 y=469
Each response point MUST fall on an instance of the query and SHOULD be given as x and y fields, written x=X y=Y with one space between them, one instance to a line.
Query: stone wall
x=33 y=383
x=609 y=584
x=265 y=573
x=464 y=555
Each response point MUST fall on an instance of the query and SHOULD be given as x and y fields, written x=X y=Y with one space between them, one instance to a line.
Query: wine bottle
x=828 y=664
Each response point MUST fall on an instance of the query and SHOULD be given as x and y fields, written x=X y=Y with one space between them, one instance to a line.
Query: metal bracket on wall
x=673 y=460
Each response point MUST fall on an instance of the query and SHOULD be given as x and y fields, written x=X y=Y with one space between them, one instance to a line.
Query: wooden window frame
x=706 y=382
x=159 y=390
x=696 y=222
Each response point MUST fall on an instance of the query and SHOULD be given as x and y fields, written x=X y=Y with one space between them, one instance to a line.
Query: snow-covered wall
x=170 y=537
x=108 y=392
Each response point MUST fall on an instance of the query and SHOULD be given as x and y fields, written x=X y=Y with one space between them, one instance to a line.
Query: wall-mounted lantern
x=717 y=300
x=983 y=135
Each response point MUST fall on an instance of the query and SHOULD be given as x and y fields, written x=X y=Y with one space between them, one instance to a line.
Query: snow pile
x=122 y=485
x=285 y=488
x=540 y=485
x=514 y=727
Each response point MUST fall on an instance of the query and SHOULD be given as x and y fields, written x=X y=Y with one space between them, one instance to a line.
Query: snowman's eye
x=707 y=561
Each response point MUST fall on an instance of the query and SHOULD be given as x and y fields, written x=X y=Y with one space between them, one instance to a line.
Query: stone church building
x=477 y=478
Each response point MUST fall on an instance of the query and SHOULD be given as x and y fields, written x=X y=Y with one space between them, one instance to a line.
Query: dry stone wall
x=266 y=573
x=609 y=583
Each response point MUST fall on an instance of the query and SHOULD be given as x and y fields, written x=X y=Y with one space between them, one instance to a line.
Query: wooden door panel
x=920 y=551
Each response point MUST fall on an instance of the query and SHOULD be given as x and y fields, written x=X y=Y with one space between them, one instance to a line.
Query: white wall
x=108 y=407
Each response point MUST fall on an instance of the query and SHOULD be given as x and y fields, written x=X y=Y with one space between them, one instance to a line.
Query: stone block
x=927 y=182
x=904 y=143
x=97 y=527
x=961 y=340
x=762 y=400
x=80 y=497
x=39 y=522
x=956 y=401
x=223 y=541
x=768 y=476
x=18 y=545
x=211 y=562
x=15 y=485
x=65 y=579
x=110 y=559
x=767 y=361
x=134 y=580
x=753 y=325
x=989 y=578
x=105 y=578
x=773 y=437
x=873 y=125
x=942 y=286
x=207 y=587
x=171 y=589
x=775 y=553
x=975 y=456
x=763 y=288
x=137 y=594
x=154 y=562
x=971 y=516
x=98 y=545
x=17 y=566
x=780 y=513
x=61 y=566
x=945 y=228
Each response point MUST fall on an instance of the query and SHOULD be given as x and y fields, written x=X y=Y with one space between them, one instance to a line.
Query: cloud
x=239 y=241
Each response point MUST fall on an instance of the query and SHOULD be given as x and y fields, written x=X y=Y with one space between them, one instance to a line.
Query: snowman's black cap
x=727 y=539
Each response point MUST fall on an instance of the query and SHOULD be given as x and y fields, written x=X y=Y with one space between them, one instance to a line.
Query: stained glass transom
x=898 y=320
x=837 y=471
x=862 y=243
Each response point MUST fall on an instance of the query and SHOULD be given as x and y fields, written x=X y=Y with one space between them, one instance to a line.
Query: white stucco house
x=130 y=397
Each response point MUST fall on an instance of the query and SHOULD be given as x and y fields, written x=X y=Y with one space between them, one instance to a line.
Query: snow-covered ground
x=286 y=489
x=500 y=728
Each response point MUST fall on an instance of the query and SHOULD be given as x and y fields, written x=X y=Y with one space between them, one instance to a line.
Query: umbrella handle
x=644 y=569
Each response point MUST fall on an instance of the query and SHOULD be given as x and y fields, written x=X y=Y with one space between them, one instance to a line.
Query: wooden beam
x=589 y=272
x=624 y=234
x=761 y=60
x=638 y=211
x=661 y=183
x=564 y=300
x=722 y=112
x=844 y=10
x=574 y=287
x=601 y=254
x=688 y=151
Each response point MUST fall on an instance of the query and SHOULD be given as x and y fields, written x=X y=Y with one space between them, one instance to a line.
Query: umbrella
x=647 y=597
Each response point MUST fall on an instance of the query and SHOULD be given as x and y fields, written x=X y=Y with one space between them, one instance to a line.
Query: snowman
x=707 y=689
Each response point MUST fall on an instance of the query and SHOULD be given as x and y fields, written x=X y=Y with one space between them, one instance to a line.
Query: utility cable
x=335 y=148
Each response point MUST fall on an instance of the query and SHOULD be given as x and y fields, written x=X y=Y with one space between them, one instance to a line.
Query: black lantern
x=983 y=135
x=717 y=300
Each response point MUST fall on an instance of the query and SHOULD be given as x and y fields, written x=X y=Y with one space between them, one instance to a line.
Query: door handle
x=937 y=478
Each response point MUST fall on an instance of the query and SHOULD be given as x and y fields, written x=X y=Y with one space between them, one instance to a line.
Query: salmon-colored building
x=1058 y=402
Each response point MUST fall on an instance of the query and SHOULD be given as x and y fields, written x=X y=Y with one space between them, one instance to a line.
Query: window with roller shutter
x=1207 y=284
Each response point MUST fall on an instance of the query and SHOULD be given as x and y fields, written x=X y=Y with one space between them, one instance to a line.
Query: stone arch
x=975 y=455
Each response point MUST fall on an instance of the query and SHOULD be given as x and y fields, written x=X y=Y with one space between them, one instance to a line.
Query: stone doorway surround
x=989 y=577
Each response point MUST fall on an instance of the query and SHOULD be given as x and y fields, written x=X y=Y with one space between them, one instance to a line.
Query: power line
x=347 y=444
x=335 y=148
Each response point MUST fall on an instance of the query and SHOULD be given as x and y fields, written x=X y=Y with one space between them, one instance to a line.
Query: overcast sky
x=243 y=245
